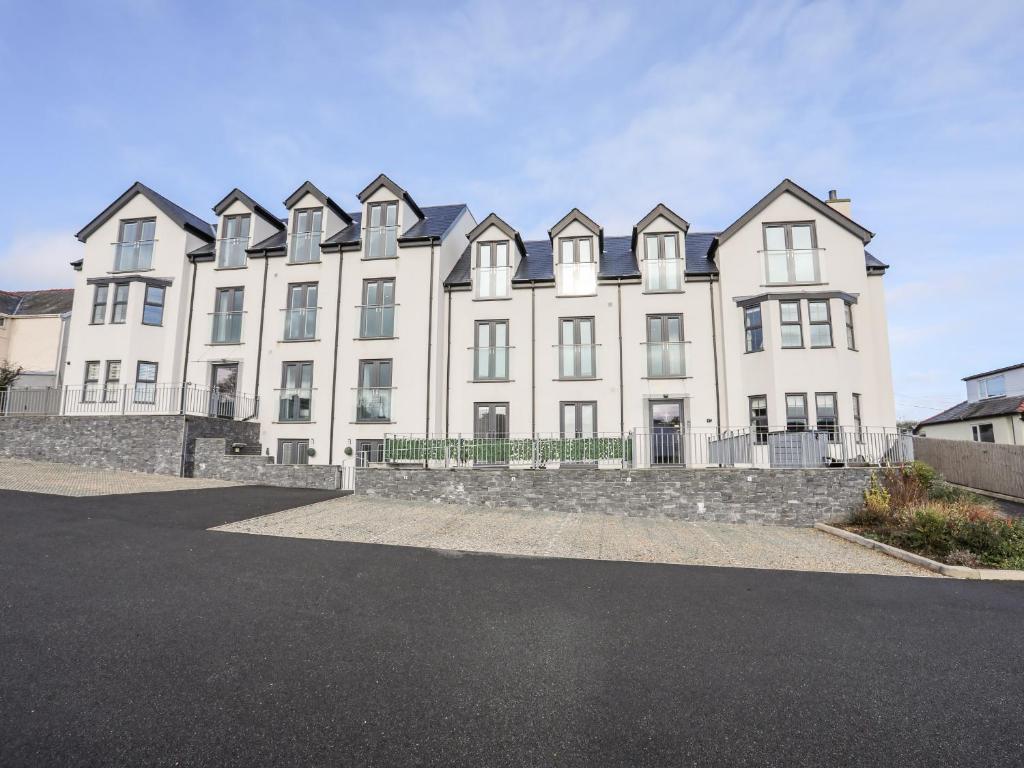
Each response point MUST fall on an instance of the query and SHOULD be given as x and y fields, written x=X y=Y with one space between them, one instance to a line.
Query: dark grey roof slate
x=995 y=406
x=871 y=262
x=698 y=253
x=52 y=301
x=175 y=212
x=435 y=223
x=277 y=240
x=1004 y=369
x=206 y=249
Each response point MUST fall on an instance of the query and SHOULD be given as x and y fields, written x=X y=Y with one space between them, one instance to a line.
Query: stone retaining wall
x=213 y=461
x=770 y=496
x=155 y=444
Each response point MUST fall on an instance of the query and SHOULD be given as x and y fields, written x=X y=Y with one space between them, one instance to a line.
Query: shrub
x=877 y=508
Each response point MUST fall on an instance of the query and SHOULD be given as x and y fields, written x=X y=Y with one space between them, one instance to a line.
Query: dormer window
x=134 y=247
x=994 y=386
x=791 y=254
x=493 y=275
x=234 y=242
x=305 y=245
x=663 y=269
x=382 y=231
x=576 y=273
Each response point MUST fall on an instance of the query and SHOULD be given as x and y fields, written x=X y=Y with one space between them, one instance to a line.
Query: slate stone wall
x=212 y=460
x=767 y=496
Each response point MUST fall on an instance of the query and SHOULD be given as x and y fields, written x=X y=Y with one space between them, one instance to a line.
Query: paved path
x=590 y=537
x=130 y=635
x=73 y=480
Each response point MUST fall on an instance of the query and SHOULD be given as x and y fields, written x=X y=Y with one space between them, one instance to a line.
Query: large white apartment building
x=397 y=319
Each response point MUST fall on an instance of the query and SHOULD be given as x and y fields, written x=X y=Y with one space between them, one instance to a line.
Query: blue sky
x=913 y=109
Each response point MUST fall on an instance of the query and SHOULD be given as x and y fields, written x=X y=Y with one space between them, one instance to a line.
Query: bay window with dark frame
x=851 y=339
x=791 y=253
x=790 y=325
x=382 y=230
x=576 y=350
x=490 y=351
x=826 y=412
x=99 y=304
x=307 y=226
x=665 y=358
x=112 y=381
x=145 y=381
x=753 y=329
x=758 y=405
x=663 y=266
x=796 y=412
x=492 y=277
x=819 y=323
x=119 y=312
x=153 y=305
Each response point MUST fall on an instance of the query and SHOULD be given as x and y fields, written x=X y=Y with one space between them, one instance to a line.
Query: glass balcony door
x=234 y=242
x=223 y=389
x=300 y=317
x=665 y=346
x=296 y=398
x=227 y=315
x=666 y=432
x=576 y=350
x=374 y=395
x=493 y=270
x=134 y=246
x=377 y=313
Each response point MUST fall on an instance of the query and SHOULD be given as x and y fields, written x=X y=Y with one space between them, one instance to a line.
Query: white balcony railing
x=300 y=323
x=665 y=359
x=376 y=321
x=133 y=256
x=227 y=327
x=231 y=253
x=576 y=279
x=793 y=265
x=663 y=274
x=304 y=248
x=577 y=361
x=490 y=363
x=492 y=282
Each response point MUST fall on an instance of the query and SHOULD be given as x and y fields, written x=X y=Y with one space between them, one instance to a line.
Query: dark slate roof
x=175 y=212
x=53 y=301
x=994 y=406
x=871 y=262
x=206 y=249
x=436 y=221
x=698 y=253
x=1004 y=369
x=275 y=241
x=349 y=235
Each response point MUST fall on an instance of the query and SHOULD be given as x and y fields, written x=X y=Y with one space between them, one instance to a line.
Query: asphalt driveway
x=130 y=635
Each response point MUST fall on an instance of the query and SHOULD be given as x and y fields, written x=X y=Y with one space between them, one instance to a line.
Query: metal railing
x=663 y=274
x=490 y=363
x=374 y=403
x=792 y=265
x=665 y=359
x=577 y=361
x=227 y=327
x=300 y=323
x=576 y=279
x=133 y=255
x=140 y=398
x=376 y=321
x=492 y=282
x=654 y=448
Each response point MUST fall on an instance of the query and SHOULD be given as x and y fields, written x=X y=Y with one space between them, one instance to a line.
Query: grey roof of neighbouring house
x=1004 y=369
x=173 y=211
x=52 y=301
x=436 y=221
x=966 y=411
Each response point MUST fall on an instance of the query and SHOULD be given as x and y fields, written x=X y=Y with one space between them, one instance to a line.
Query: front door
x=666 y=432
x=223 y=385
x=490 y=433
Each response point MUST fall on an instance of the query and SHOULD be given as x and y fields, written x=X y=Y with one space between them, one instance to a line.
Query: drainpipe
x=334 y=366
x=622 y=406
x=430 y=341
x=448 y=363
x=533 y=358
x=188 y=341
x=714 y=349
x=259 y=341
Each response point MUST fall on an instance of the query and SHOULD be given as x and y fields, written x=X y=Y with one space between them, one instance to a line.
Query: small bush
x=963 y=557
x=877 y=508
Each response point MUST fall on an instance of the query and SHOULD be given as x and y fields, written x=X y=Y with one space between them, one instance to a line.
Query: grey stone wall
x=152 y=444
x=770 y=496
x=213 y=461
x=197 y=427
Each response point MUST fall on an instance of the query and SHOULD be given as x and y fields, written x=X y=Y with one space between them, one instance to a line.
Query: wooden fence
x=985 y=466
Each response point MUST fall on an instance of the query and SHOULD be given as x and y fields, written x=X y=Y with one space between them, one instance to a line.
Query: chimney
x=841 y=204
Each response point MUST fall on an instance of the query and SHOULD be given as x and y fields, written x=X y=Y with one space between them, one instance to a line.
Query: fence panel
x=985 y=466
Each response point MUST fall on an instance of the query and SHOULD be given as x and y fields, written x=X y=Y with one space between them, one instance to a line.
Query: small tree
x=8 y=373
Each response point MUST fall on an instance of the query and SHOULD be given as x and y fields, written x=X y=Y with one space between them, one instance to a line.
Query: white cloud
x=35 y=260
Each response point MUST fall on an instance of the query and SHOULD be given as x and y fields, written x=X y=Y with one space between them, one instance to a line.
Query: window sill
x=296 y=341
x=130 y=271
x=663 y=290
x=375 y=421
x=374 y=338
x=784 y=285
x=575 y=295
x=578 y=378
x=490 y=381
x=800 y=347
x=292 y=422
x=302 y=263
x=225 y=343
x=823 y=346
x=378 y=258
x=753 y=351
x=228 y=269
x=153 y=325
x=681 y=377
x=492 y=298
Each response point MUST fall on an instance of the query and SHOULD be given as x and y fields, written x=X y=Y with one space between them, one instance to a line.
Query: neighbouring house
x=992 y=413
x=34 y=334
x=336 y=329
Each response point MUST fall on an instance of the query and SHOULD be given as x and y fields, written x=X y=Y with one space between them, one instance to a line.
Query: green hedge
x=510 y=450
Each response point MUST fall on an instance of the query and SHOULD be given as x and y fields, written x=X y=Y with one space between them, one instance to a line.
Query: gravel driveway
x=73 y=480
x=591 y=537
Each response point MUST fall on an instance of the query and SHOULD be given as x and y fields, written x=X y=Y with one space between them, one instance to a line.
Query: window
x=382 y=233
x=994 y=386
x=232 y=245
x=576 y=350
x=293 y=451
x=374 y=394
x=826 y=413
x=858 y=422
x=577 y=268
x=753 y=329
x=91 y=384
x=490 y=420
x=301 y=314
x=851 y=340
x=790 y=253
x=983 y=433
x=663 y=270
x=792 y=330
x=99 y=304
x=134 y=247
x=112 y=381
x=665 y=346
x=796 y=413
x=153 y=306
x=306 y=236
x=491 y=350
x=819 y=319
x=145 y=382
x=3 y=322
x=579 y=420
x=493 y=270
x=369 y=452
x=120 y=311
x=296 y=398
x=227 y=315
x=377 y=313
x=759 y=418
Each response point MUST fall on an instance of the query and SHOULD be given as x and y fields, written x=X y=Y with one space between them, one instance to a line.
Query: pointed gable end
x=187 y=221
x=577 y=215
x=792 y=188
x=494 y=220
x=238 y=195
x=308 y=188
x=664 y=211
x=397 y=191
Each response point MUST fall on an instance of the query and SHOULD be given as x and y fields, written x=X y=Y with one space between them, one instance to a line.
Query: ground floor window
x=759 y=418
x=983 y=433
x=796 y=412
x=826 y=412
x=369 y=452
x=293 y=451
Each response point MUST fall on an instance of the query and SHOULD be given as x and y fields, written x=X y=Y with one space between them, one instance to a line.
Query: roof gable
x=494 y=220
x=660 y=210
x=309 y=188
x=184 y=219
x=238 y=195
x=397 y=191
x=786 y=186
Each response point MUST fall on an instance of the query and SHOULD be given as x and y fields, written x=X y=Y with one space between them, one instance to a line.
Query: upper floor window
x=577 y=267
x=994 y=386
x=491 y=350
x=382 y=231
x=377 y=313
x=134 y=247
x=301 y=314
x=791 y=328
x=234 y=242
x=820 y=320
x=753 y=329
x=791 y=253
x=493 y=270
x=665 y=346
x=851 y=340
x=99 y=305
x=153 y=306
x=663 y=267
x=227 y=315
x=120 y=312
x=373 y=396
x=295 y=402
x=306 y=231
x=576 y=358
